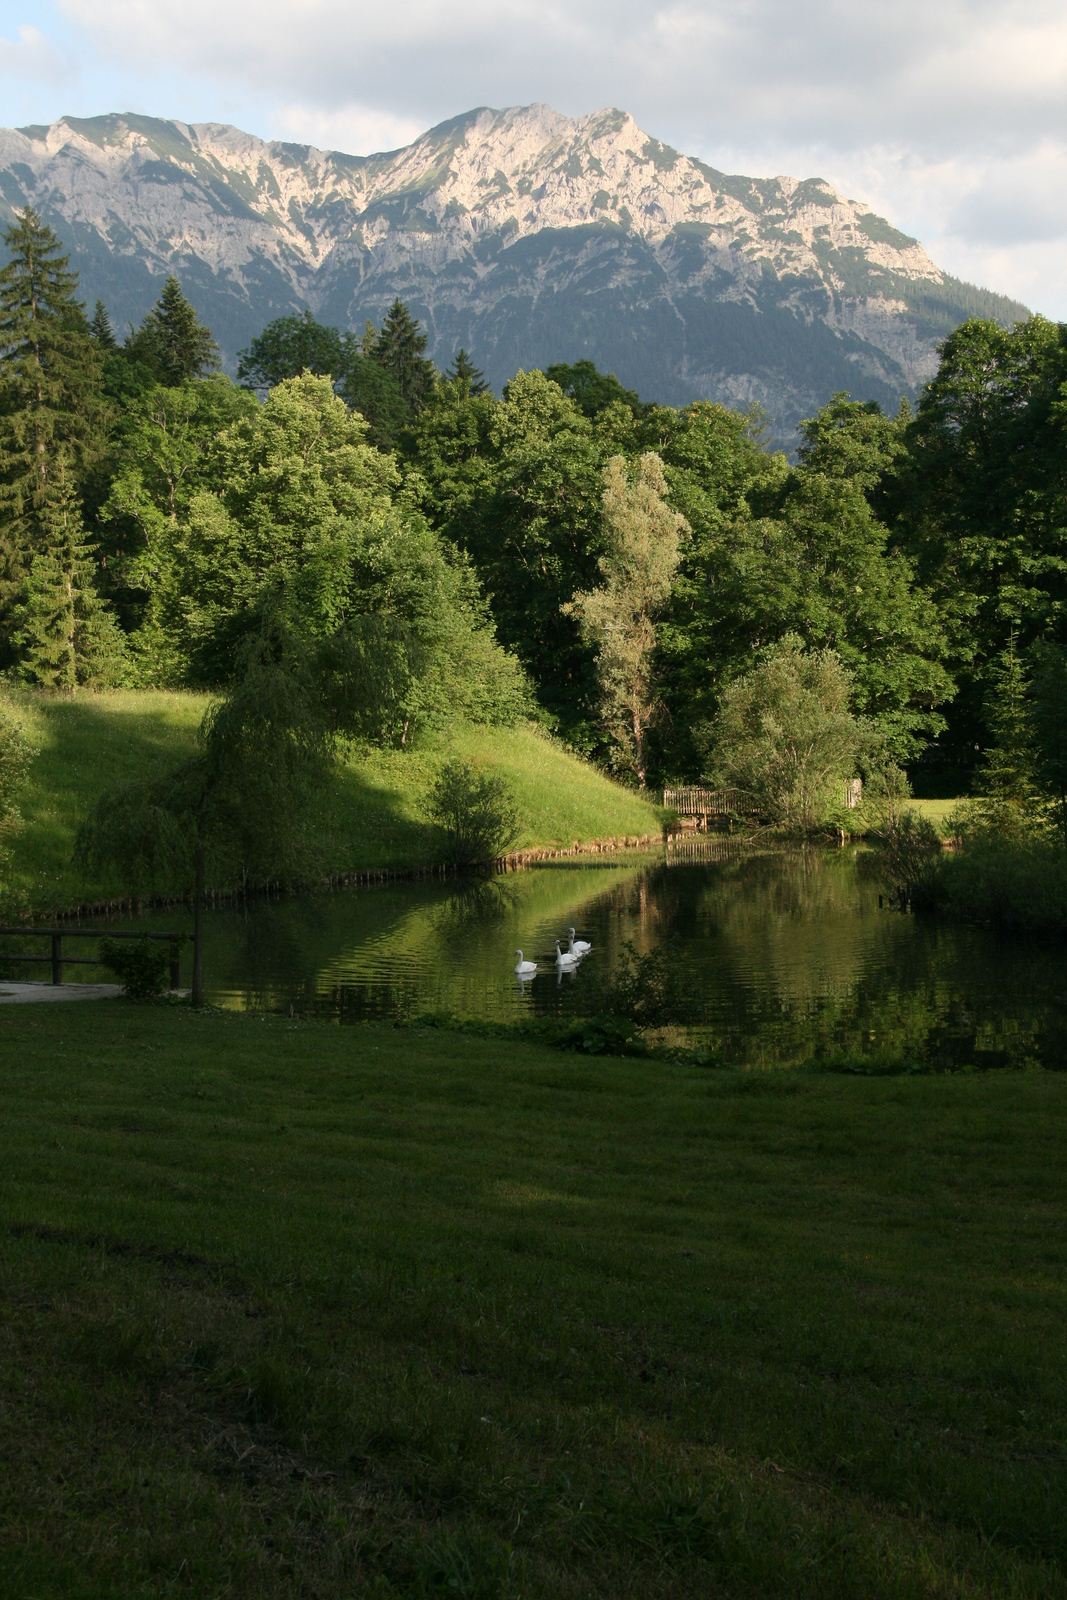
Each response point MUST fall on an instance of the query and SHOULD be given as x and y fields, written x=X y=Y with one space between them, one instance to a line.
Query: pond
x=789 y=950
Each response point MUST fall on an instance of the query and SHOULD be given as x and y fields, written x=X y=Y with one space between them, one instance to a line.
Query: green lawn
x=374 y=819
x=937 y=811
x=295 y=1310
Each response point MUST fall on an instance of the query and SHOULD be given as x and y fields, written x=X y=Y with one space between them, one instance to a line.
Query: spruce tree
x=399 y=347
x=463 y=369
x=67 y=633
x=1012 y=803
x=51 y=406
x=172 y=341
x=101 y=330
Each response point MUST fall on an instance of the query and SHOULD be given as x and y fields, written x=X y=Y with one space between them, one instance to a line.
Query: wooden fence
x=57 y=960
x=694 y=801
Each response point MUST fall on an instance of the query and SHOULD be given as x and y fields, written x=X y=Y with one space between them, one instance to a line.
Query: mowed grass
x=374 y=818
x=291 y=1309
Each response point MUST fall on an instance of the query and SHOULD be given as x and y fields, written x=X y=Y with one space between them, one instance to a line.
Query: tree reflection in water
x=783 y=956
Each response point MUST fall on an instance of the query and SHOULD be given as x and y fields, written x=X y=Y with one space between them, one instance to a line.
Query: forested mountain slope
x=526 y=236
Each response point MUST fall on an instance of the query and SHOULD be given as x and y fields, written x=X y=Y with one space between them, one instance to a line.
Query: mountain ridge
x=526 y=235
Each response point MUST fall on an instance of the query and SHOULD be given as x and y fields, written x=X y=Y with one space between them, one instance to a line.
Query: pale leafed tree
x=642 y=547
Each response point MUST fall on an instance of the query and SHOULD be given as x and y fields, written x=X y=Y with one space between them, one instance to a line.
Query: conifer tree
x=399 y=347
x=1011 y=803
x=463 y=369
x=101 y=330
x=68 y=635
x=51 y=407
x=172 y=341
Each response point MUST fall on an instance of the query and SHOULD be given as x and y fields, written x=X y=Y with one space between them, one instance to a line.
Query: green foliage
x=101 y=330
x=785 y=735
x=911 y=860
x=372 y=814
x=165 y=450
x=51 y=407
x=289 y=346
x=16 y=754
x=142 y=965
x=462 y=370
x=644 y=989
x=475 y=813
x=400 y=347
x=1048 y=723
x=591 y=390
x=642 y=544
x=374 y=392
x=1007 y=777
x=172 y=342
x=67 y=634
x=982 y=502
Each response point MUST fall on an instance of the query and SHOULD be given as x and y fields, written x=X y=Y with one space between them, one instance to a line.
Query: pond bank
x=370 y=828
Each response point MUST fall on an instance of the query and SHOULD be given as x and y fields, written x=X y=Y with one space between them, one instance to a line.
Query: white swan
x=566 y=958
x=525 y=969
x=578 y=947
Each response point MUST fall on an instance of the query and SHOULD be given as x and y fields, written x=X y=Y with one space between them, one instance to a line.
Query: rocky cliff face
x=527 y=236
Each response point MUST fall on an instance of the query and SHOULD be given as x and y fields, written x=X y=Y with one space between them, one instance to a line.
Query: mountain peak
x=525 y=234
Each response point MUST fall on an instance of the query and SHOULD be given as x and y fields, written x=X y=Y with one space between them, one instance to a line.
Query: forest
x=620 y=570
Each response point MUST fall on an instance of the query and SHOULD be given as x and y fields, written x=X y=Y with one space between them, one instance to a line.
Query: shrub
x=786 y=737
x=474 y=812
x=141 y=964
x=650 y=991
x=911 y=860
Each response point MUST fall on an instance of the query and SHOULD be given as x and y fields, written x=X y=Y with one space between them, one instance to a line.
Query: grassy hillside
x=372 y=820
x=304 y=1310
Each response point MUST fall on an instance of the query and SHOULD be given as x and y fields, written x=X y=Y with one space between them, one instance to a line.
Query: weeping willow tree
x=243 y=806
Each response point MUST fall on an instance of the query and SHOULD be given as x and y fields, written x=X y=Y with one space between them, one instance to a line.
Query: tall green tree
x=374 y=392
x=400 y=347
x=642 y=545
x=1011 y=802
x=242 y=807
x=1048 y=722
x=305 y=519
x=982 y=504
x=289 y=346
x=101 y=330
x=67 y=634
x=462 y=370
x=172 y=341
x=593 y=391
x=51 y=407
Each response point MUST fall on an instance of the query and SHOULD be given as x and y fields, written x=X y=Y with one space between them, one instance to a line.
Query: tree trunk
x=198 y=924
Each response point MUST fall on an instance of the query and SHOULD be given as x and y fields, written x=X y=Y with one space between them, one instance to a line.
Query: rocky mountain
x=527 y=236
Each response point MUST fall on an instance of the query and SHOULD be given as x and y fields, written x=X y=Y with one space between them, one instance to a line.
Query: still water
x=788 y=949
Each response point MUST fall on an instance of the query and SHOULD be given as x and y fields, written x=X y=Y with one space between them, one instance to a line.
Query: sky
x=949 y=117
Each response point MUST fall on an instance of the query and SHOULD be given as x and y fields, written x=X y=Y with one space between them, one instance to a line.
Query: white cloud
x=354 y=129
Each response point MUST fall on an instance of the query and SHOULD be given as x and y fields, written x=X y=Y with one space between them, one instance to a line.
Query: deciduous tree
x=642 y=545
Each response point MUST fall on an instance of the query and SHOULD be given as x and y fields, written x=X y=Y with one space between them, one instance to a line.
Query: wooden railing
x=693 y=801
x=58 y=960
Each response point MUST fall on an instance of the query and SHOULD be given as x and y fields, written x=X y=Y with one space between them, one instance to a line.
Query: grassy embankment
x=374 y=819
x=290 y=1309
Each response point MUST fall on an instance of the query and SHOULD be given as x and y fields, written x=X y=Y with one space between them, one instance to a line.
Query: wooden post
x=198 y=926
x=57 y=958
x=175 y=963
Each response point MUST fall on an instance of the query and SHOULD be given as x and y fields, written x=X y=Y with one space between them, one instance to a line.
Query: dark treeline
x=629 y=561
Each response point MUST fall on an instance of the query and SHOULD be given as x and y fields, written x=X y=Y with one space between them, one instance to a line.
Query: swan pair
x=573 y=954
